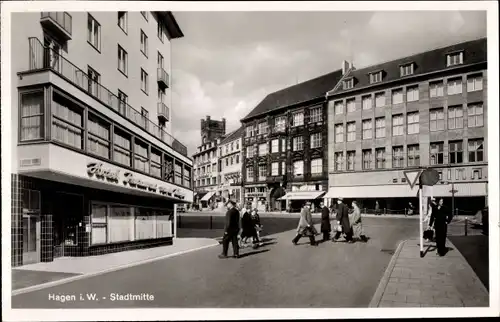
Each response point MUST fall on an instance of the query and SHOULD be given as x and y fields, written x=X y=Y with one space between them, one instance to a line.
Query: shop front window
x=120 y=224
x=164 y=220
x=99 y=224
x=145 y=224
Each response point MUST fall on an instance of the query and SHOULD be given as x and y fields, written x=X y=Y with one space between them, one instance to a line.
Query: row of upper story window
x=280 y=122
x=105 y=139
x=205 y=182
x=297 y=145
x=229 y=148
x=454 y=86
x=205 y=157
x=452 y=59
x=315 y=168
x=95 y=79
x=215 y=181
x=206 y=169
x=122 y=65
x=229 y=161
x=94 y=40
x=370 y=161
x=455 y=120
x=436 y=89
x=94 y=31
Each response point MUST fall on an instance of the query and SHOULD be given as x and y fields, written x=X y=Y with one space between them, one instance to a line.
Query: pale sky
x=228 y=62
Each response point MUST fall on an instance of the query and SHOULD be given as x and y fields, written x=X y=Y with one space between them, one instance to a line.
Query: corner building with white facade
x=230 y=164
x=428 y=110
x=94 y=167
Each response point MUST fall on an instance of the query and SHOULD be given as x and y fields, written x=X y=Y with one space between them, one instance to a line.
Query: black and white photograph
x=266 y=157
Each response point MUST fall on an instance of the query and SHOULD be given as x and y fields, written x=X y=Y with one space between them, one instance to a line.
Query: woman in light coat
x=357 y=226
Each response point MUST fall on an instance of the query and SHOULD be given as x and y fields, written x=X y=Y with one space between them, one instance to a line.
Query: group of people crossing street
x=348 y=224
x=250 y=228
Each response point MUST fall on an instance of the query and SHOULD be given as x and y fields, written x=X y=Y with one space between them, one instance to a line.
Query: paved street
x=277 y=275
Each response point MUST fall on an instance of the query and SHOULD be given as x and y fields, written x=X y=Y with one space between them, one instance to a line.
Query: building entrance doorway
x=68 y=214
x=31 y=223
x=31 y=238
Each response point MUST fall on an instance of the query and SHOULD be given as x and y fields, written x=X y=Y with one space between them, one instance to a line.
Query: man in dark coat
x=343 y=220
x=231 y=230
x=440 y=218
x=326 y=227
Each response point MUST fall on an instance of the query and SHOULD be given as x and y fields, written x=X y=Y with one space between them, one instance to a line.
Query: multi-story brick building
x=94 y=167
x=206 y=170
x=285 y=146
x=230 y=161
x=425 y=110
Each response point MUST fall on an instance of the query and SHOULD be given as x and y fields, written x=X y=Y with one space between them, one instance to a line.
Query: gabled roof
x=302 y=92
x=233 y=136
x=475 y=51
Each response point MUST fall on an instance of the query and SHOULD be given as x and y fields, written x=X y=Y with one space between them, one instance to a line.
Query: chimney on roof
x=208 y=117
x=345 y=66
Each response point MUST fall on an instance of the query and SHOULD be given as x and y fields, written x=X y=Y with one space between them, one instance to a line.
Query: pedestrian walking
x=257 y=226
x=411 y=209
x=306 y=226
x=326 y=227
x=231 y=230
x=440 y=218
x=343 y=221
x=357 y=226
x=247 y=227
x=377 y=208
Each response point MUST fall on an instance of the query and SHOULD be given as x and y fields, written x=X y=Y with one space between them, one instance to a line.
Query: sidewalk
x=65 y=269
x=431 y=281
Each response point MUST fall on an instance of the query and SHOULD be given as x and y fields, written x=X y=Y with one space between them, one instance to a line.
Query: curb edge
x=385 y=278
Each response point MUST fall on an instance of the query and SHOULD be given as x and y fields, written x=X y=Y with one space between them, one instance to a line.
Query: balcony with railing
x=59 y=23
x=44 y=58
x=162 y=78
x=163 y=112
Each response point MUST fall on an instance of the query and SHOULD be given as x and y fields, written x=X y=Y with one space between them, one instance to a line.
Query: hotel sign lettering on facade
x=97 y=170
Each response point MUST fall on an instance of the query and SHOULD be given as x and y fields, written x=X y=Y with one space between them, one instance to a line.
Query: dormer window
x=376 y=77
x=406 y=70
x=456 y=58
x=349 y=83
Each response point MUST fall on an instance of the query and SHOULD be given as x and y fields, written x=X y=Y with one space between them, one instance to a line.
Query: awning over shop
x=302 y=195
x=208 y=196
x=470 y=189
x=398 y=191
x=384 y=191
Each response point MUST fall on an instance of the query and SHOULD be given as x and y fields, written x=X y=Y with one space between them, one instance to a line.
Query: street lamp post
x=452 y=195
